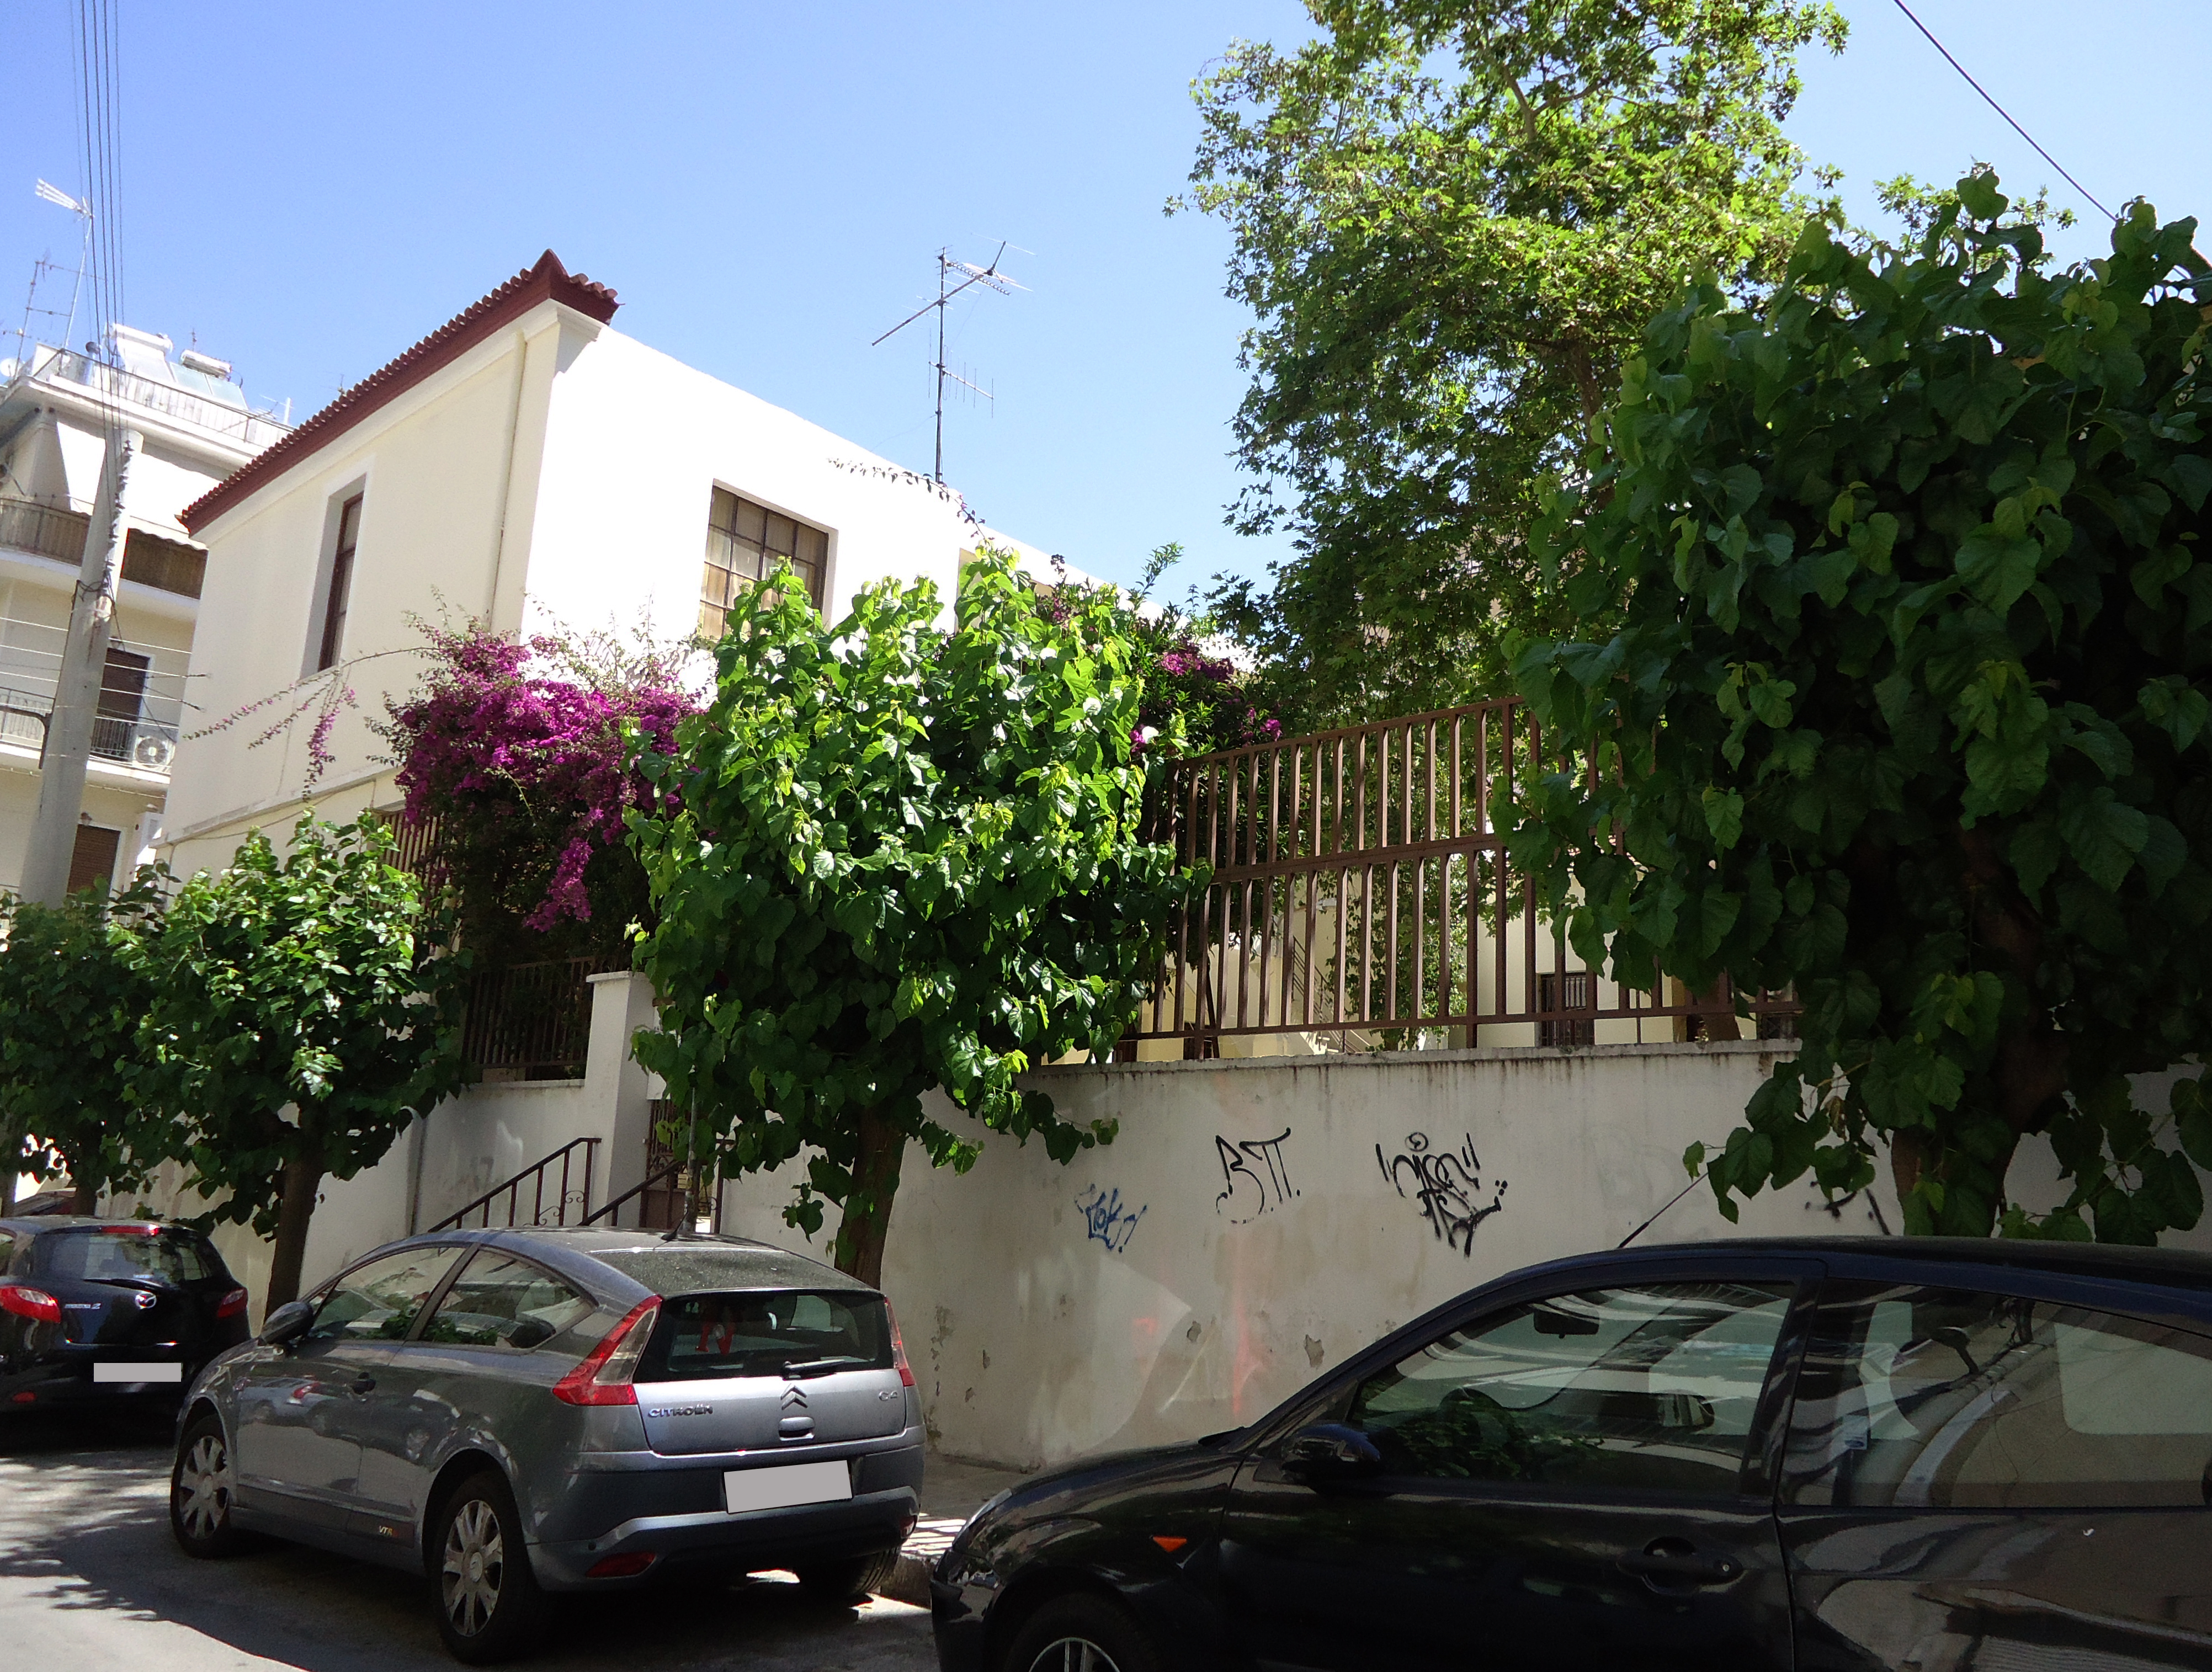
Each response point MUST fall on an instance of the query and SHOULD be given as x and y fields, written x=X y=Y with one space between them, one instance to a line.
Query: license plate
x=137 y=1373
x=785 y=1487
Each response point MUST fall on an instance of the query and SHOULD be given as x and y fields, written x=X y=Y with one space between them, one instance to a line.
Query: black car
x=105 y=1312
x=1758 y=1456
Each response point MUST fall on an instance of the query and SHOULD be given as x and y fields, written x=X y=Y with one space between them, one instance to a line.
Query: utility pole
x=76 y=691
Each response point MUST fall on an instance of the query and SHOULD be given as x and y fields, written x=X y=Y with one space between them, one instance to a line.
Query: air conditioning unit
x=153 y=753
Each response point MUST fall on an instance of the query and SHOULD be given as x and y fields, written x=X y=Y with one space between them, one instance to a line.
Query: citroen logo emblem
x=793 y=1396
x=143 y=1301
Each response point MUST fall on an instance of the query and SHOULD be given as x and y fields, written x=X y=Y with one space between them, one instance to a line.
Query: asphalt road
x=90 y=1577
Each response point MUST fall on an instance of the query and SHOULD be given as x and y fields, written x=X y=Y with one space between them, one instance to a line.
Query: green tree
x=894 y=858
x=1453 y=219
x=1909 y=708
x=301 y=1014
x=72 y=991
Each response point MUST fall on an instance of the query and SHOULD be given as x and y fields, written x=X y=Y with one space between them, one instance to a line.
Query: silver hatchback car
x=518 y=1412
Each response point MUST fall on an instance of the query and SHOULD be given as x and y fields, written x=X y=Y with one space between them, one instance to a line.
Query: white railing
x=248 y=427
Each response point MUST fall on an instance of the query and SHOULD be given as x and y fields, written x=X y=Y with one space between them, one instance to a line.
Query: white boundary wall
x=1168 y=1284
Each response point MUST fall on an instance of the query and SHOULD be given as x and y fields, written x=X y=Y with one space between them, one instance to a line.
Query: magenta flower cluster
x=518 y=764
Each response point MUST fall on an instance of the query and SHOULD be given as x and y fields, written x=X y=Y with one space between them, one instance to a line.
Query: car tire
x=1080 y=1633
x=849 y=1580
x=200 y=1490
x=487 y=1601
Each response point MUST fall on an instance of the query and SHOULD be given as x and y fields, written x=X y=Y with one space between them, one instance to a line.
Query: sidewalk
x=952 y=1491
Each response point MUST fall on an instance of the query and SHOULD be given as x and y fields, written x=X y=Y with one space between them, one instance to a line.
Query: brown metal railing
x=534 y=1018
x=535 y=1180
x=51 y=531
x=1361 y=889
x=661 y=1198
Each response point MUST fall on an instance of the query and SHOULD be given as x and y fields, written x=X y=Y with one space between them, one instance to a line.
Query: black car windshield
x=126 y=1252
x=770 y=1333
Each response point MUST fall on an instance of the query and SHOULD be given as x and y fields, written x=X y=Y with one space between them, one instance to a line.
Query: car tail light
x=898 y=1348
x=25 y=1302
x=626 y=1567
x=602 y=1377
x=231 y=1304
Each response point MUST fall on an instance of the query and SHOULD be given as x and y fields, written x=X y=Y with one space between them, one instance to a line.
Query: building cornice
x=547 y=280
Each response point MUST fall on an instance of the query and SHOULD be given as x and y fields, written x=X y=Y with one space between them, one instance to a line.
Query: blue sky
x=309 y=189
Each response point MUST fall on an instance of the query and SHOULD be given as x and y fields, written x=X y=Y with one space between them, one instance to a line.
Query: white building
x=196 y=428
x=528 y=465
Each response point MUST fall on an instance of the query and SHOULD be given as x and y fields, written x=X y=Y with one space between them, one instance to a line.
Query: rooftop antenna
x=992 y=279
x=46 y=192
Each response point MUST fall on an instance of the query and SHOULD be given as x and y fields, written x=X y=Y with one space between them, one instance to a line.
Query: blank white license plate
x=785 y=1486
x=137 y=1373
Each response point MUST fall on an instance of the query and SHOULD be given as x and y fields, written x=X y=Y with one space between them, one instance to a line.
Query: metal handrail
x=512 y=1189
x=666 y=1177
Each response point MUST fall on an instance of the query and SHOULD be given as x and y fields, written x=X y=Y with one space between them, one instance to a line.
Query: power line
x=2002 y=112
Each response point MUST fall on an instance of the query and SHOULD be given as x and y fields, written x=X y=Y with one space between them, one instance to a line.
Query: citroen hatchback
x=519 y=1412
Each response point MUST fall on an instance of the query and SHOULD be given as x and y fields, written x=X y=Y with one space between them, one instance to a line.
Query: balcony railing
x=151 y=559
x=1362 y=897
x=141 y=696
x=246 y=427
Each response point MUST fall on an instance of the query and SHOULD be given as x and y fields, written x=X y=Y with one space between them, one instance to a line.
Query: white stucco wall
x=557 y=474
x=1163 y=1288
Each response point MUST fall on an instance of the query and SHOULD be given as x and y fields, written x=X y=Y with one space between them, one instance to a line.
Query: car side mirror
x=1330 y=1451
x=1549 y=1322
x=287 y=1324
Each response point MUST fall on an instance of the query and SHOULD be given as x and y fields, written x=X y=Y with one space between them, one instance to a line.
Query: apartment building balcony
x=209 y=405
x=59 y=532
x=140 y=711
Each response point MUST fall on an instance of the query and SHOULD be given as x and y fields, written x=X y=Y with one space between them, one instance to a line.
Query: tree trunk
x=868 y=1206
x=11 y=1164
x=302 y=1179
x=87 y=1200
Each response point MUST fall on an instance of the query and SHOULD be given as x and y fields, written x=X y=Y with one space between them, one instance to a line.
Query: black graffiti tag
x=1246 y=1193
x=1447 y=1185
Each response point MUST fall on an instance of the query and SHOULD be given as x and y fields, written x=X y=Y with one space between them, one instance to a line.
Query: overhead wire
x=2002 y=112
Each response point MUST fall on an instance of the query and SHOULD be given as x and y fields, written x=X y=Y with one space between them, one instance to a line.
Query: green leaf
x=1723 y=814
x=2103 y=834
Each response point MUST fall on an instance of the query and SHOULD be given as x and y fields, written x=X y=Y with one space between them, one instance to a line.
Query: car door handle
x=362 y=1383
x=1673 y=1564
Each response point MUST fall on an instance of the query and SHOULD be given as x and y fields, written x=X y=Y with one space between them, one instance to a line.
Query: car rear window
x=766 y=1332
x=104 y=1251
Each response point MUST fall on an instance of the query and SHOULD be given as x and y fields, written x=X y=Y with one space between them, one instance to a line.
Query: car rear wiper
x=798 y=1369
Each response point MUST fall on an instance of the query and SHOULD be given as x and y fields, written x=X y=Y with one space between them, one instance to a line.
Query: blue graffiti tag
x=1108 y=1222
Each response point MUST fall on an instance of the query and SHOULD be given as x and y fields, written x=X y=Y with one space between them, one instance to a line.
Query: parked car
x=1816 y=1454
x=107 y=1313
x=513 y=1412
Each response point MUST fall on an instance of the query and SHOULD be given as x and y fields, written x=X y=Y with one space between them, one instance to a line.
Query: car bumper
x=676 y=1515
x=68 y=1377
x=958 y=1620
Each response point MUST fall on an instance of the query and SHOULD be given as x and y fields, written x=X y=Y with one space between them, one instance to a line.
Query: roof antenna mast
x=992 y=279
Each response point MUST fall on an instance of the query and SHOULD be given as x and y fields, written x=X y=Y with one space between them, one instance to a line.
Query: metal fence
x=555 y=1191
x=1361 y=896
x=531 y=1020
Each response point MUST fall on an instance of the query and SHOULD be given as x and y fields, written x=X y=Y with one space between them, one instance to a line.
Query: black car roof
x=39 y=1224
x=2173 y=1268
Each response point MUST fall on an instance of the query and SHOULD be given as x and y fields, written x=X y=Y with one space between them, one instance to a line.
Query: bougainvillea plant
x=1182 y=680
x=515 y=749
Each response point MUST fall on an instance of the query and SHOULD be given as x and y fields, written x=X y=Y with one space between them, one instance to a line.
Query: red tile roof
x=547 y=280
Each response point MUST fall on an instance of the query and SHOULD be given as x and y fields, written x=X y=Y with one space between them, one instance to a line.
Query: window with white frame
x=745 y=544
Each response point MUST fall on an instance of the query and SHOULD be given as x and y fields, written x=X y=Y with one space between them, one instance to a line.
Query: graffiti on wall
x=1447 y=1184
x=1106 y=1220
x=1254 y=1177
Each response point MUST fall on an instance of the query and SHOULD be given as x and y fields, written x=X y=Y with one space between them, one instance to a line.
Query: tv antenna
x=992 y=279
x=44 y=267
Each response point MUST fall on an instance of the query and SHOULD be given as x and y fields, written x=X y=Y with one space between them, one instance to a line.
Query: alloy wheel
x=475 y=1565
x=203 y=1487
x=1073 y=1654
